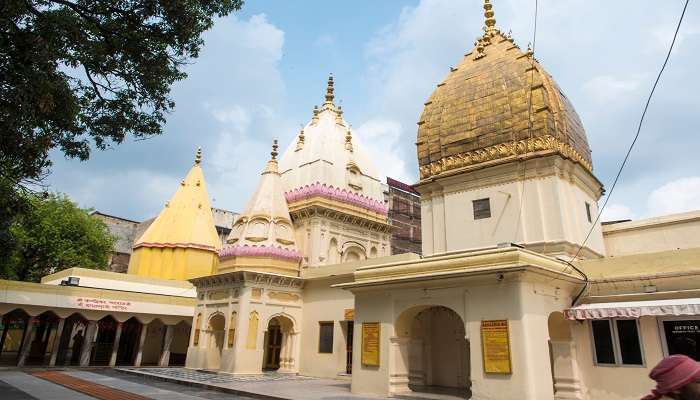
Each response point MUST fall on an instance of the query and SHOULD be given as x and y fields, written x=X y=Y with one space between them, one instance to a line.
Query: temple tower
x=182 y=242
x=504 y=157
x=333 y=191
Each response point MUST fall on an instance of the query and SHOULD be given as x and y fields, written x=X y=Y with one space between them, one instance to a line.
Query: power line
x=529 y=120
x=636 y=136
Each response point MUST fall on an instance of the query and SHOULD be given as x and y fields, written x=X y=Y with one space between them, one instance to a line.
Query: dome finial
x=274 y=153
x=489 y=21
x=198 y=156
x=329 y=90
x=300 y=142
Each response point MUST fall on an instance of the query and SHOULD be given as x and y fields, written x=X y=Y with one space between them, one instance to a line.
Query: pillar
x=115 y=347
x=56 y=342
x=142 y=340
x=398 y=365
x=567 y=380
x=26 y=341
x=167 y=341
x=88 y=342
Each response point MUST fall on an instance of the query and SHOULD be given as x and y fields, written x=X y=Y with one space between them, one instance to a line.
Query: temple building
x=519 y=292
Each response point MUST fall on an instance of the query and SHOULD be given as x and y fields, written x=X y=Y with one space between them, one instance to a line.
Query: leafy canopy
x=75 y=70
x=53 y=235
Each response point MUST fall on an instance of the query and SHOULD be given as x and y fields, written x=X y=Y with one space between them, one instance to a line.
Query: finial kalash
x=489 y=21
x=198 y=156
x=300 y=142
x=274 y=153
x=329 y=90
x=348 y=141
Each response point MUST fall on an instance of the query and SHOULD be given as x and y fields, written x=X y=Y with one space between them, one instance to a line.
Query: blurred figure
x=677 y=377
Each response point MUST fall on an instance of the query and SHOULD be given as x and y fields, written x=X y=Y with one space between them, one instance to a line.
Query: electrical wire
x=529 y=121
x=636 y=136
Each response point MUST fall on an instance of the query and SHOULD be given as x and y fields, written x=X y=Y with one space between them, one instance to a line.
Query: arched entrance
x=215 y=341
x=72 y=340
x=129 y=341
x=14 y=325
x=178 y=347
x=431 y=342
x=104 y=341
x=43 y=339
x=279 y=338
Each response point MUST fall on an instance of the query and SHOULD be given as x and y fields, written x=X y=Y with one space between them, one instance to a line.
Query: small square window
x=482 y=208
x=325 y=337
x=588 y=212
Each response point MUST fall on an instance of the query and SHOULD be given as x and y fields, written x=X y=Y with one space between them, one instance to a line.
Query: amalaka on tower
x=333 y=190
x=182 y=242
x=501 y=147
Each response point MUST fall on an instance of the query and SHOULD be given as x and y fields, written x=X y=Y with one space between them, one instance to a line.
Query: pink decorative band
x=337 y=194
x=179 y=245
x=259 y=251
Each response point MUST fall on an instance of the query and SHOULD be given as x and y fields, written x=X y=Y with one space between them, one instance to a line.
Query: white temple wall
x=323 y=303
x=546 y=213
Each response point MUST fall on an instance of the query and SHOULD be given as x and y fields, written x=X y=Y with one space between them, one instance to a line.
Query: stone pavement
x=271 y=386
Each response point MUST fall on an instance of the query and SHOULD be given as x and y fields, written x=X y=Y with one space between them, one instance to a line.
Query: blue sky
x=263 y=69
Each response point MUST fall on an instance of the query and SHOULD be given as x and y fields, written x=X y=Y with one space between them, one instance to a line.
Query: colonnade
x=49 y=340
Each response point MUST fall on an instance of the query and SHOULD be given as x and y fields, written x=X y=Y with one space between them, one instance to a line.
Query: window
x=325 y=337
x=588 y=212
x=482 y=208
x=682 y=337
x=616 y=342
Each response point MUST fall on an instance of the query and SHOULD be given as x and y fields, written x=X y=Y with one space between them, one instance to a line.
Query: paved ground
x=22 y=385
x=272 y=386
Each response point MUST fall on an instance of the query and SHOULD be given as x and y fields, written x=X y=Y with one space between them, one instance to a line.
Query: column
x=115 y=347
x=88 y=342
x=284 y=352
x=56 y=342
x=27 y=339
x=398 y=365
x=142 y=340
x=167 y=341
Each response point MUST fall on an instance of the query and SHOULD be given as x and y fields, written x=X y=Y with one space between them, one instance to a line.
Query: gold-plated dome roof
x=479 y=114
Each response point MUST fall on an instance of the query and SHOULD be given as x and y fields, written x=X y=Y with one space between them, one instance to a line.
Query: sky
x=263 y=69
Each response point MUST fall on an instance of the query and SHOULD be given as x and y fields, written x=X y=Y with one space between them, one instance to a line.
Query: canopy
x=635 y=309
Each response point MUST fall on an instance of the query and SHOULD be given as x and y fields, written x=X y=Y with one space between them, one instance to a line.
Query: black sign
x=683 y=337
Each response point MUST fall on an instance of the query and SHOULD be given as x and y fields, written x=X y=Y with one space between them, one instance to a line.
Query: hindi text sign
x=495 y=342
x=370 y=344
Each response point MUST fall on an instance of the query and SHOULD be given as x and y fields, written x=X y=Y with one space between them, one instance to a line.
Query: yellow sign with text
x=370 y=343
x=495 y=344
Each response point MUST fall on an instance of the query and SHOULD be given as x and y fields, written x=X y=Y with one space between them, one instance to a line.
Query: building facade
x=404 y=217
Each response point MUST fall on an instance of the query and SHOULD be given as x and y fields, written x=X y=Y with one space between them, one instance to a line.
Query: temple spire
x=329 y=90
x=274 y=152
x=489 y=21
x=198 y=156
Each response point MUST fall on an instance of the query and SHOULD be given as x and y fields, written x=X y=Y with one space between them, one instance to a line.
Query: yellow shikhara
x=182 y=242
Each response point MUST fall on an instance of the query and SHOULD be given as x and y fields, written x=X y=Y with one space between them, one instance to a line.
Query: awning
x=635 y=309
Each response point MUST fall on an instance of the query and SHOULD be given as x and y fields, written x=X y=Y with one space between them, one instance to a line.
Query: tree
x=55 y=234
x=76 y=73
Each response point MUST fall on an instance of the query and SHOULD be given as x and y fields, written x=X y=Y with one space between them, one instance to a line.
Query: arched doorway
x=431 y=341
x=153 y=343
x=43 y=339
x=279 y=337
x=14 y=325
x=215 y=341
x=129 y=342
x=178 y=347
x=72 y=340
x=104 y=341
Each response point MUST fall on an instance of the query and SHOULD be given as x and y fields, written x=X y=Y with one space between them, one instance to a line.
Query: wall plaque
x=495 y=343
x=370 y=343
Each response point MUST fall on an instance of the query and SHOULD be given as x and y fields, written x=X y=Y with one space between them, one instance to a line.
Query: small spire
x=339 y=115
x=300 y=142
x=315 y=117
x=329 y=89
x=489 y=21
x=274 y=153
x=348 y=141
x=198 y=156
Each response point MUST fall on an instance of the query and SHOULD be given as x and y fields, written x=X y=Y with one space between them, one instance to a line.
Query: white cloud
x=384 y=136
x=677 y=196
x=616 y=212
x=608 y=90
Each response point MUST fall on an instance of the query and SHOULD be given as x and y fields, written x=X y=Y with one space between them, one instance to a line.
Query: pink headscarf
x=672 y=373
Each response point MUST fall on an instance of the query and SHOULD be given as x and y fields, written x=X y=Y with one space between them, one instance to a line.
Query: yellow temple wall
x=172 y=263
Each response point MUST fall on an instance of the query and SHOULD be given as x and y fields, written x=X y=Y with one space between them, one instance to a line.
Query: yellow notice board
x=370 y=344
x=495 y=343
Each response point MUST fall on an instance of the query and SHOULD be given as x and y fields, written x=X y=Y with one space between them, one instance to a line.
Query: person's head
x=677 y=377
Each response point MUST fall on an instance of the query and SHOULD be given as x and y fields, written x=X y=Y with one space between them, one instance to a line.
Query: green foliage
x=55 y=234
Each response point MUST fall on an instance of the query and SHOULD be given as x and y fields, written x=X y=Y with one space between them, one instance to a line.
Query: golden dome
x=478 y=115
